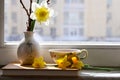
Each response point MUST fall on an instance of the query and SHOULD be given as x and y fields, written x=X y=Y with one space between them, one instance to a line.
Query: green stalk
x=88 y=67
x=33 y=22
x=37 y=1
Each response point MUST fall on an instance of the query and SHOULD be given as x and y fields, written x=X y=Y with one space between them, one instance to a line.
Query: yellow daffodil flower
x=39 y=63
x=79 y=64
x=74 y=60
x=63 y=63
x=70 y=61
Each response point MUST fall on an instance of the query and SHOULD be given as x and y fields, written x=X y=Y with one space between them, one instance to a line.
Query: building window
x=66 y=31
x=77 y=1
x=13 y=2
x=66 y=17
x=109 y=31
x=73 y=32
x=109 y=3
x=81 y=1
x=14 y=17
x=53 y=1
x=81 y=17
x=39 y=31
x=109 y=17
x=14 y=36
x=53 y=32
x=80 y=31
x=67 y=1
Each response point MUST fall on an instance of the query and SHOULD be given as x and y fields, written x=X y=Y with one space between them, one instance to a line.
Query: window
x=77 y=1
x=74 y=1
x=14 y=17
x=100 y=37
x=80 y=31
x=93 y=19
x=53 y=1
x=81 y=1
x=109 y=31
x=40 y=31
x=109 y=17
x=81 y=18
x=13 y=2
x=67 y=1
x=66 y=17
x=53 y=32
x=66 y=30
x=14 y=35
x=109 y=3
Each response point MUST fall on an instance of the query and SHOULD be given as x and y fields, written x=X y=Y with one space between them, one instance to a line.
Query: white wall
x=98 y=55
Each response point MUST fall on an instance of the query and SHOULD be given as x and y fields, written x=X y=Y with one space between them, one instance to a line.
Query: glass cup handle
x=85 y=52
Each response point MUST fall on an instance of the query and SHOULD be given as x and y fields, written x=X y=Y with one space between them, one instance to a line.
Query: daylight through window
x=76 y=20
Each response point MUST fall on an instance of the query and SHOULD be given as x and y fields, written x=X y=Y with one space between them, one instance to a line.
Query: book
x=15 y=69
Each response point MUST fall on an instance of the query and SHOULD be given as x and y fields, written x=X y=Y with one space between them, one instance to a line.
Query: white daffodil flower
x=41 y=13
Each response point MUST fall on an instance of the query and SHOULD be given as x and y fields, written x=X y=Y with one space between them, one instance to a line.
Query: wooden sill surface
x=82 y=75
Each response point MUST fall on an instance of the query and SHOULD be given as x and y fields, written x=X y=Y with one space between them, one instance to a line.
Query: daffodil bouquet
x=70 y=61
x=37 y=12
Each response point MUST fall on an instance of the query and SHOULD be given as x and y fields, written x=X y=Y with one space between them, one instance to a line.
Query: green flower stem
x=88 y=67
x=33 y=22
x=32 y=25
x=37 y=1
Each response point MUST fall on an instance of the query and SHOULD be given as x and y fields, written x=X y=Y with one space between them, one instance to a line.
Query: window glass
x=13 y=2
x=14 y=17
x=81 y=20
x=53 y=32
x=67 y=1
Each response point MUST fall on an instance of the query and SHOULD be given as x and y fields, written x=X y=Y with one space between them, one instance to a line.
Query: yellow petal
x=63 y=63
x=74 y=60
x=35 y=65
x=78 y=65
x=39 y=63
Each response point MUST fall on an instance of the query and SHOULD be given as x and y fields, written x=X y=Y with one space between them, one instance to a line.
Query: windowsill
x=72 y=44
x=14 y=71
x=84 y=74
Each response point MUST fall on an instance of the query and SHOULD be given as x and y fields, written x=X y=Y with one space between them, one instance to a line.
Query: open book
x=15 y=69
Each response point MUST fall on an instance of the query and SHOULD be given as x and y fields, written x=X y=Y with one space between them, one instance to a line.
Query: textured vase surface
x=28 y=49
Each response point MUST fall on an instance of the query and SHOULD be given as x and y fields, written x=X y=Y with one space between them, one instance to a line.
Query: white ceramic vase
x=28 y=49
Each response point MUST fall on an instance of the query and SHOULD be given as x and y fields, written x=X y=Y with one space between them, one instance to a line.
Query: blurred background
x=75 y=20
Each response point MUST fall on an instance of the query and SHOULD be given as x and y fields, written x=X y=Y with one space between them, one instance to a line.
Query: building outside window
x=53 y=32
x=109 y=3
x=14 y=17
x=66 y=31
x=72 y=16
x=13 y=2
x=67 y=1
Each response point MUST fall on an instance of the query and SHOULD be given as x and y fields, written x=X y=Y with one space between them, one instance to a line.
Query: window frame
x=2 y=23
x=100 y=53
